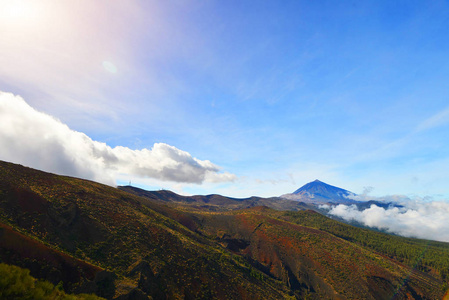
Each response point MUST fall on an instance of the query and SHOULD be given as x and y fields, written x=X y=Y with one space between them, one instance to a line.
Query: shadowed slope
x=146 y=250
x=43 y=261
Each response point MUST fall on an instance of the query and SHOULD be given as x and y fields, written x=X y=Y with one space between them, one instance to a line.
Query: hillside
x=144 y=251
x=311 y=261
x=159 y=244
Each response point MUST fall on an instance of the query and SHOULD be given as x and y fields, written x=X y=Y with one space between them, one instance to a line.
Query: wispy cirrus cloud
x=38 y=140
x=439 y=119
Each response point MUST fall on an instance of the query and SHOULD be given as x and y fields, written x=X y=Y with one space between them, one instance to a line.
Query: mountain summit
x=320 y=192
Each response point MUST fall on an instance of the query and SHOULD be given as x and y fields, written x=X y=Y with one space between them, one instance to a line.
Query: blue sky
x=274 y=94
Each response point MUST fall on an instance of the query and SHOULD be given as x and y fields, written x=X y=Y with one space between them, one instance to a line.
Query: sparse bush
x=17 y=283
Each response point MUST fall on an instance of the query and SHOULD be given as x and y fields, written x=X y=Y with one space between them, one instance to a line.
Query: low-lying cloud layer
x=40 y=141
x=417 y=218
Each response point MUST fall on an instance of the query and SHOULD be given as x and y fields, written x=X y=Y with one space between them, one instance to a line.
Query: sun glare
x=16 y=9
x=19 y=11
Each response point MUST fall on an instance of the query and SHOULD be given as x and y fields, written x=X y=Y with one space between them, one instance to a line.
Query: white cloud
x=40 y=141
x=324 y=206
x=417 y=218
x=365 y=196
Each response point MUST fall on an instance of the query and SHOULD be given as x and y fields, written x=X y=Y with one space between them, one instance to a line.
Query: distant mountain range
x=217 y=202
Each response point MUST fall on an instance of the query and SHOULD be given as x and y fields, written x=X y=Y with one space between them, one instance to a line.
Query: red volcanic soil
x=311 y=261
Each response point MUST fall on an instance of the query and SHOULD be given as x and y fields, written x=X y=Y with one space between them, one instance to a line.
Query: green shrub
x=17 y=283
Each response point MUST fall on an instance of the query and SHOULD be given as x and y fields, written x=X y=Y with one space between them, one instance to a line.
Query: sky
x=238 y=98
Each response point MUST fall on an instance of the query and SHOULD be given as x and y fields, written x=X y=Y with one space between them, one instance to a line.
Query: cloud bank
x=40 y=141
x=417 y=218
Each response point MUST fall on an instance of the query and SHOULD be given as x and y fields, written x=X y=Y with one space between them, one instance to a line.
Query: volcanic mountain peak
x=320 y=192
x=323 y=188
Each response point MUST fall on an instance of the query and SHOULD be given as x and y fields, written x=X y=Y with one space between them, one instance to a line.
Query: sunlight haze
x=242 y=98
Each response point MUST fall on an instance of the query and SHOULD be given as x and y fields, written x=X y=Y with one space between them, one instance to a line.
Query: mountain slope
x=157 y=246
x=314 y=263
x=146 y=251
x=424 y=255
x=45 y=262
x=431 y=257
